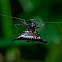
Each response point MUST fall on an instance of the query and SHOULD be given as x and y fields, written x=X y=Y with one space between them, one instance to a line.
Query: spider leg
x=18 y=24
x=22 y=21
x=40 y=26
x=34 y=19
x=27 y=25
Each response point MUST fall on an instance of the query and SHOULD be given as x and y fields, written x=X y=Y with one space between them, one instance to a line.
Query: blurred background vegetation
x=20 y=51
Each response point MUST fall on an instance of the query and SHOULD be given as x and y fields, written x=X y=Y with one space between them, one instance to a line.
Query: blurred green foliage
x=45 y=11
